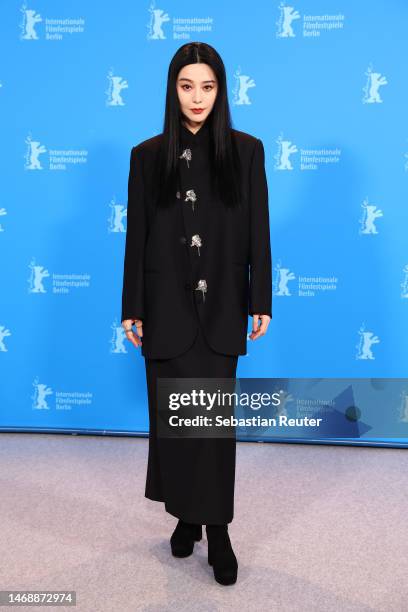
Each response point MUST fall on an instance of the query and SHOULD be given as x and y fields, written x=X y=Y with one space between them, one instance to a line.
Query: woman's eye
x=206 y=87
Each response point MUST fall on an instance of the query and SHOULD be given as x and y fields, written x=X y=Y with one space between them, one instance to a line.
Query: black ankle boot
x=220 y=554
x=183 y=538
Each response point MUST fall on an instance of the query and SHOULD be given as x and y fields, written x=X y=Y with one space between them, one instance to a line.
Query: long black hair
x=224 y=160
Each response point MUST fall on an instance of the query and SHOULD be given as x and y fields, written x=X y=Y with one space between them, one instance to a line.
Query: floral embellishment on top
x=196 y=241
x=202 y=286
x=186 y=154
x=191 y=197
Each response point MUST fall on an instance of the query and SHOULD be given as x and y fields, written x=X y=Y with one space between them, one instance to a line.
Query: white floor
x=316 y=528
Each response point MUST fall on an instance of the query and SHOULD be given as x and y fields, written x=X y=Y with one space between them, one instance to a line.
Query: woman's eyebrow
x=185 y=79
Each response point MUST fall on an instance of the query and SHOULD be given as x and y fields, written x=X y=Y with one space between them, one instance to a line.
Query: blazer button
x=183 y=239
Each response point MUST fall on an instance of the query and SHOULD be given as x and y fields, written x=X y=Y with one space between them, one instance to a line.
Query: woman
x=197 y=225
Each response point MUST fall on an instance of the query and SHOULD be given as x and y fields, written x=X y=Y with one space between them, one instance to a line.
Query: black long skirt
x=194 y=477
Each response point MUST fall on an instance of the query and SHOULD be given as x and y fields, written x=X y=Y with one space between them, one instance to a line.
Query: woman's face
x=196 y=89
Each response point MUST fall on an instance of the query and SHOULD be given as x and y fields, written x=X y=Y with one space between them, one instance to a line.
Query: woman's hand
x=259 y=331
x=130 y=334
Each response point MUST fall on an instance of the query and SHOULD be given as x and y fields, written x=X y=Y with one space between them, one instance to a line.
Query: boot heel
x=183 y=538
x=198 y=533
x=221 y=555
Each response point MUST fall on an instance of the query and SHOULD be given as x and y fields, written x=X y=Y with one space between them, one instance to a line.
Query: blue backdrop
x=324 y=85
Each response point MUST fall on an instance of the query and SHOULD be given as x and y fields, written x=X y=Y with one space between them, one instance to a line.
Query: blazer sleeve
x=260 y=285
x=133 y=266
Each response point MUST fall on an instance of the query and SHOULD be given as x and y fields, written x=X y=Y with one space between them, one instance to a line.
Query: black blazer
x=157 y=276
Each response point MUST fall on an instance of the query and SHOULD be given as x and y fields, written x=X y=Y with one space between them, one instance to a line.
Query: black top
x=202 y=136
x=164 y=263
